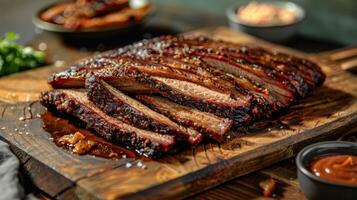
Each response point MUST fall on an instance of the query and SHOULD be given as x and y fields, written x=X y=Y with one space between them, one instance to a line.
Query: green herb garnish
x=15 y=57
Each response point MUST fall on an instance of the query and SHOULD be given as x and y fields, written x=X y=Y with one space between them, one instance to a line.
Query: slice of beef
x=75 y=76
x=279 y=93
x=118 y=105
x=213 y=126
x=76 y=104
x=302 y=83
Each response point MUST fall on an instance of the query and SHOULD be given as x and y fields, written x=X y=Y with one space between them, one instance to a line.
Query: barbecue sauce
x=336 y=168
x=69 y=135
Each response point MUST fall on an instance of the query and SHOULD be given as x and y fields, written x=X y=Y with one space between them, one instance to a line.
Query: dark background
x=329 y=23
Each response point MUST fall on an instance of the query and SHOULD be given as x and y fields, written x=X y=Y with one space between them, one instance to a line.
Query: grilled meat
x=203 y=84
x=82 y=14
x=229 y=80
x=179 y=91
x=213 y=126
x=118 y=105
x=76 y=104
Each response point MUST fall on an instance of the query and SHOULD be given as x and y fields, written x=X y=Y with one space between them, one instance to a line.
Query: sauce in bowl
x=336 y=168
x=265 y=14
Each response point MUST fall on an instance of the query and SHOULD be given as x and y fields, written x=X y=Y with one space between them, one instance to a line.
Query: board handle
x=346 y=58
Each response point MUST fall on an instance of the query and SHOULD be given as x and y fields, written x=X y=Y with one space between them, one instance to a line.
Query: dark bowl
x=315 y=187
x=273 y=33
x=91 y=32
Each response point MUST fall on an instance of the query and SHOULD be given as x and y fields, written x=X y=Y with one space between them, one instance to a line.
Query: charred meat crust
x=72 y=103
x=123 y=107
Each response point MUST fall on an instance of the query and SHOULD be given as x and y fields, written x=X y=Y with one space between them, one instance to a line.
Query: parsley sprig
x=15 y=57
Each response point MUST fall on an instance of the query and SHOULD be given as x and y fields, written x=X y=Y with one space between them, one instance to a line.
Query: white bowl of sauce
x=276 y=21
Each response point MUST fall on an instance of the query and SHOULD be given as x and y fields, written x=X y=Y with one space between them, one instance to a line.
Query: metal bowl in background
x=274 y=33
x=101 y=32
x=316 y=188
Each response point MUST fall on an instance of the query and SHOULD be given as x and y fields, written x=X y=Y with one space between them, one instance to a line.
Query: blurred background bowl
x=274 y=33
x=316 y=188
x=101 y=32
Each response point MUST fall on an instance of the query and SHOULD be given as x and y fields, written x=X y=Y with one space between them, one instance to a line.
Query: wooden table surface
x=62 y=52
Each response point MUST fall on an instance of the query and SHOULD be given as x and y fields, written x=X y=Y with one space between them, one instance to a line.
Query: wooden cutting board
x=329 y=112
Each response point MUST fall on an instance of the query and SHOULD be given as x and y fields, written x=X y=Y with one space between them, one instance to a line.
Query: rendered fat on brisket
x=213 y=126
x=118 y=105
x=76 y=104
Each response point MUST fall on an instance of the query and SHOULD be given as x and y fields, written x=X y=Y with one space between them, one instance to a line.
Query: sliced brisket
x=213 y=126
x=304 y=75
x=193 y=95
x=304 y=67
x=118 y=105
x=182 y=92
x=75 y=103
x=278 y=86
x=205 y=86
x=259 y=56
x=229 y=80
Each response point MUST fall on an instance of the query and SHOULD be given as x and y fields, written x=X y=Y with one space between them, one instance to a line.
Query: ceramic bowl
x=274 y=33
x=101 y=32
x=315 y=187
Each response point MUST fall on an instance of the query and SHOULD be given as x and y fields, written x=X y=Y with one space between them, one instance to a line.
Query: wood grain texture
x=283 y=172
x=247 y=187
x=25 y=86
x=329 y=113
